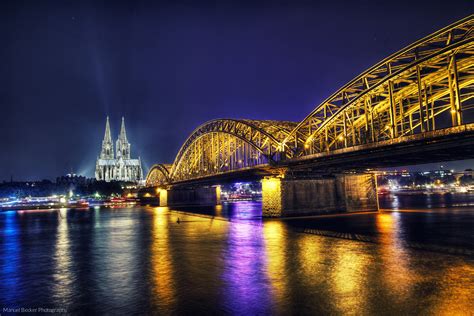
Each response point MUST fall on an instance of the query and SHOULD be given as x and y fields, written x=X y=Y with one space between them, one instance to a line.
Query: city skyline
x=57 y=96
x=232 y=157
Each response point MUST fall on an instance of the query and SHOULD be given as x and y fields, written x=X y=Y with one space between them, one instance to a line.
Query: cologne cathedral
x=117 y=166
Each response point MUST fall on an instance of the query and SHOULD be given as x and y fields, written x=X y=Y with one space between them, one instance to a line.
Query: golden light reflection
x=349 y=277
x=273 y=233
x=456 y=295
x=218 y=194
x=309 y=257
x=161 y=259
x=396 y=272
x=218 y=210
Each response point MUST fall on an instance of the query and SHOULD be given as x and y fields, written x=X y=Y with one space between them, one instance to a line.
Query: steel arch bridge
x=227 y=145
x=159 y=175
x=424 y=88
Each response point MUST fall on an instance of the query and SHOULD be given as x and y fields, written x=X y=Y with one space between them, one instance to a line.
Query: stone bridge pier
x=309 y=196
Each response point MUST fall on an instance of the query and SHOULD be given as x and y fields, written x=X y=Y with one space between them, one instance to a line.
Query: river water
x=416 y=259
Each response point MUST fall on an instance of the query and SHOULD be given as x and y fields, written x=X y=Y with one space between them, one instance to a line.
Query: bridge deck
x=455 y=143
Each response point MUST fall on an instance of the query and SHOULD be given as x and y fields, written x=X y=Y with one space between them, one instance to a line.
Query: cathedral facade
x=117 y=165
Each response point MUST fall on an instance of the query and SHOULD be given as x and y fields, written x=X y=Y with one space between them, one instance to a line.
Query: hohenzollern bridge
x=415 y=106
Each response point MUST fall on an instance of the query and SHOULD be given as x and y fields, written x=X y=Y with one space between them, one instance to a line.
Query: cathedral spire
x=123 y=133
x=107 y=151
x=108 y=135
x=122 y=146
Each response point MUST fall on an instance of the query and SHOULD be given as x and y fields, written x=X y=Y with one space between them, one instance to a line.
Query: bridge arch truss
x=227 y=145
x=425 y=87
x=158 y=175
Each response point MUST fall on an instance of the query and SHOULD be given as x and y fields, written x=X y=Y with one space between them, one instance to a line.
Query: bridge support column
x=163 y=197
x=201 y=196
x=331 y=194
x=272 y=197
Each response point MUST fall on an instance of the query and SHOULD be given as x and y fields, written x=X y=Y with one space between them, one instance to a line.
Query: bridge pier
x=162 y=197
x=331 y=194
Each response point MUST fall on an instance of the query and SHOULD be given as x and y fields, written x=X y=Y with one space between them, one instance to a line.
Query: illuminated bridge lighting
x=423 y=91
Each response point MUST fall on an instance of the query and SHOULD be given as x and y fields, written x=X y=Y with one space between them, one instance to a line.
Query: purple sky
x=168 y=68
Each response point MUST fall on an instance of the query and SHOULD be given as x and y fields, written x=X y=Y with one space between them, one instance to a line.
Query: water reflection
x=395 y=203
x=310 y=257
x=273 y=232
x=425 y=200
x=349 y=278
x=10 y=248
x=243 y=210
x=396 y=266
x=63 y=278
x=141 y=260
x=116 y=255
x=162 y=261
x=246 y=285
x=456 y=293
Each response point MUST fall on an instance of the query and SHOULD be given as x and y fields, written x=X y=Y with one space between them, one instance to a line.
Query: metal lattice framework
x=424 y=87
x=158 y=175
x=226 y=145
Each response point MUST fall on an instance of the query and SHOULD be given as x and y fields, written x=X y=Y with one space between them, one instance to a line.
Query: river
x=416 y=258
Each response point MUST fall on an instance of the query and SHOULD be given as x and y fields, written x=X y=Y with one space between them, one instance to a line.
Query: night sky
x=166 y=67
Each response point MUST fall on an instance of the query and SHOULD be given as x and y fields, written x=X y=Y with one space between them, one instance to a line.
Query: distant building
x=71 y=179
x=117 y=166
